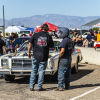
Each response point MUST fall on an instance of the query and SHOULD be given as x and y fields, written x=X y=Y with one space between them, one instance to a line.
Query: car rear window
x=26 y=32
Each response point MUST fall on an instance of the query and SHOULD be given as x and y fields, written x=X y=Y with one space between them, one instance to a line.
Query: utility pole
x=3 y=25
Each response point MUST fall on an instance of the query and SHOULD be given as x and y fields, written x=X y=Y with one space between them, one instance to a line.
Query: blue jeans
x=64 y=72
x=1 y=74
x=35 y=66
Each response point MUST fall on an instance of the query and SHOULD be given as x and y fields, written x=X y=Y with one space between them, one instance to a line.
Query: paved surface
x=85 y=85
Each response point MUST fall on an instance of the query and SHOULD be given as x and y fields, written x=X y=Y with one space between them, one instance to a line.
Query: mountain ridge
x=57 y=19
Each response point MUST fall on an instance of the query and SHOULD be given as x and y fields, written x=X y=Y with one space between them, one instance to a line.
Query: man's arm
x=61 y=53
x=85 y=41
x=29 y=50
x=4 y=50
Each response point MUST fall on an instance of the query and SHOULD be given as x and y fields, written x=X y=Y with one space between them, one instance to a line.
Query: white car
x=19 y=64
x=85 y=35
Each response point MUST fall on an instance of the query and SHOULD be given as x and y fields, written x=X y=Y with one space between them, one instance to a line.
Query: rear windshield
x=26 y=32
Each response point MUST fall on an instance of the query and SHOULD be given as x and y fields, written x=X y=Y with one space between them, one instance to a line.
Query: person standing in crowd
x=64 y=71
x=75 y=36
x=75 y=33
x=79 y=41
x=89 y=38
x=94 y=39
x=2 y=47
x=54 y=35
x=71 y=34
x=7 y=45
x=23 y=35
x=12 y=38
x=41 y=42
x=98 y=36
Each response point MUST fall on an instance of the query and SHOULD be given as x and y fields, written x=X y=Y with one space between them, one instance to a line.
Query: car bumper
x=5 y=71
x=24 y=72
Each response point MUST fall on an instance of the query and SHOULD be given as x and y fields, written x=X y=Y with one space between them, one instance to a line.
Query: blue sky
x=27 y=8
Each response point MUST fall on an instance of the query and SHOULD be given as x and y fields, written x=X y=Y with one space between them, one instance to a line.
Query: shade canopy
x=94 y=23
x=51 y=27
x=31 y=29
x=14 y=29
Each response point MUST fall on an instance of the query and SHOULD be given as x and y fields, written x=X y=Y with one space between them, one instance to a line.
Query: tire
x=75 y=68
x=9 y=77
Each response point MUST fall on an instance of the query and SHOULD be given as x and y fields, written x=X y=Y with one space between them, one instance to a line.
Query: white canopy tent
x=94 y=23
x=14 y=29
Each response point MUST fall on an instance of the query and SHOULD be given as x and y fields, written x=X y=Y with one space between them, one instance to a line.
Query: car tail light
x=78 y=50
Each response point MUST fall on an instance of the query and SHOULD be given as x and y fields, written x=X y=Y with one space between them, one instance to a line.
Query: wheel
x=9 y=77
x=54 y=77
x=75 y=68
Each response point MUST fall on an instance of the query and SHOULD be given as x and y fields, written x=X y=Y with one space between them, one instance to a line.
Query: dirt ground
x=85 y=85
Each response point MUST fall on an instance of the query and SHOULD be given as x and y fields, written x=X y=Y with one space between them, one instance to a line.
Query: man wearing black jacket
x=41 y=43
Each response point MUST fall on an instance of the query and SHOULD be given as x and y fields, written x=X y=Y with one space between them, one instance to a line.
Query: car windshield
x=19 y=41
x=24 y=47
x=26 y=32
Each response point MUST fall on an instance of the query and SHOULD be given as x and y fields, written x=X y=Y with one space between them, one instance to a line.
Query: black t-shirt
x=1 y=45
x=55 y=35
x=95 y=38
x=80 y=42
x=67 y=44
x=41 y=43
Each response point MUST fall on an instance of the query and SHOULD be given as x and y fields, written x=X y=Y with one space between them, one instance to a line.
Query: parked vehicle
x=27 y=32
x=85 y=35
x=18 y=63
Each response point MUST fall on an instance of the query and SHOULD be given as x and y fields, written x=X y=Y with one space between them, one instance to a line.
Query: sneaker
x=41 y=89
x=67 y=88
x=59 y=89
x=31 y=89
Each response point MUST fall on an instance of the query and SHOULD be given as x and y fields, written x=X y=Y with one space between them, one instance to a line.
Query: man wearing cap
x=41 y=43
x=89 y=38
x=64 y=71
x=94 y=40
x=71 y=34
x=54 y=36
x=75 y=33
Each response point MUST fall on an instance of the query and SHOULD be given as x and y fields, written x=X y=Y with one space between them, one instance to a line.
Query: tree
x=95 y=29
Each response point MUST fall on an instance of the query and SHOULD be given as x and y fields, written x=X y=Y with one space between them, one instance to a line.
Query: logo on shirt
x=42 y=41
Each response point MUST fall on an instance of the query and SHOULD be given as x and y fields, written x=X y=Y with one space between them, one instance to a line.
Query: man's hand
x=29 y=49
x=29 y=55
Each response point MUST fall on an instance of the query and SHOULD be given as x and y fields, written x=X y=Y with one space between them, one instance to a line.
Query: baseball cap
x=95 y=32
x=45 y=25
x=70 y=31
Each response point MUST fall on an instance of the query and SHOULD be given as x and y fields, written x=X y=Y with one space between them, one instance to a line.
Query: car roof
x=57 y=40
x=25 y=30
x=53 y=40
x=24 y=37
